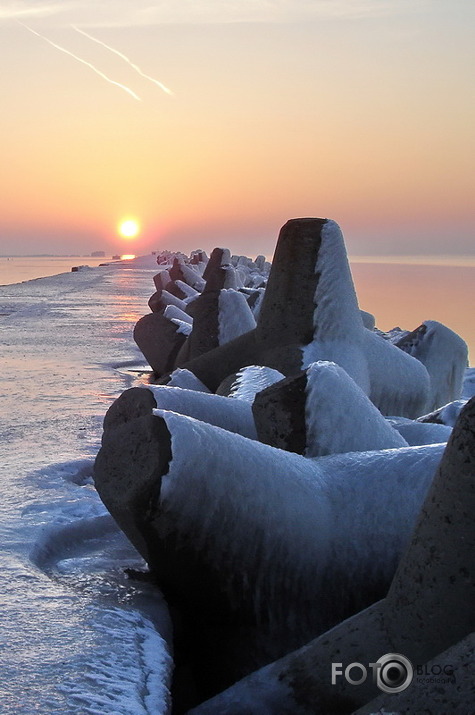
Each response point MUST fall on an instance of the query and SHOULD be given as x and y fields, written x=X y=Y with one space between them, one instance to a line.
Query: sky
x=212 y=122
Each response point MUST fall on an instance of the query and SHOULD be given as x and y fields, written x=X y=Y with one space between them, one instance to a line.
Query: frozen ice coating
x=419 y=433
x=77 y=635
x=180 y=377
x=427 y=611
x=355 y=512
x=445 y=356
x=400 y=384
x=251 y=380
x=183 y=327
x=368 y=319
x=170 y=299
x=339 y=416
x=395 y=384
x=337 y=314
x=468 y=385
x=234 y=315
x=172 y=312
x=232 y=415
x=187 y=289
x=192 y=277
x=445 y=415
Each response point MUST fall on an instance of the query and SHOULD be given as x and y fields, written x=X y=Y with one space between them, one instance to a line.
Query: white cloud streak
x=126 y=59
x=136 y=13
x=17 y=10
x=84 y=62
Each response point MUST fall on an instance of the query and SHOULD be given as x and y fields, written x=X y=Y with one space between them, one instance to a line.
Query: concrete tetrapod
x=259 y=548
x=445 y=356
x=310 y=312
x=429 y=608
x=321 y=411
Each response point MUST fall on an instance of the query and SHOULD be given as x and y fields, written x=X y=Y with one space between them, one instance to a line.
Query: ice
x=252 y=379
x=419 y=433
x=339 y=416
x=468 y=386
x=232 y=415
x=394 y=381
x=172 y=312
x=400 y=384
x=74 y=628
x=183 y=327
x=344 y=513
x=188 y=290
x=234 y=317
x=445 y=357
x=448 y=414
x=338 y=324
x=181 y=377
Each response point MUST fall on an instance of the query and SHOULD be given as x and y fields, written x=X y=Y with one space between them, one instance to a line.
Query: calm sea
x=25 y=268
x=399 y=291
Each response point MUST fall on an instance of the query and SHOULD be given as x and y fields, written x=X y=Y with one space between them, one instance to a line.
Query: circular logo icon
x=395 y=673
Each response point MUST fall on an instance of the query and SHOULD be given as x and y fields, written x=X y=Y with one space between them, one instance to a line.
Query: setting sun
x=129 y=228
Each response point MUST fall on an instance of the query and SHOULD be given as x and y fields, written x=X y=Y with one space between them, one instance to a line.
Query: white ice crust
x=340 y=418
x=259 y=513
x=181 y=377
x=252 y=379
x=234 y=317
x=173 y=313
x=445 y=356
x=394 y=382
x=233 y=415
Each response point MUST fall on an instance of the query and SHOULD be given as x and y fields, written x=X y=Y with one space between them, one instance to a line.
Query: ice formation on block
x=321 y=411
x=369 y=321
x=232 y=415
x=444 y=354
x=235 y=316
x=445 y=415
x=394 y=384
x=184 y=378
x=468 y=386
x=250 y=380
x=173 y=313
x=428 y=609
x=310 y=312
x=269 y=545
x=418 y=433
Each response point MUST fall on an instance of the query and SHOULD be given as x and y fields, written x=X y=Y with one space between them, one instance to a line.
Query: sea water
x=15 y=269
x=76 y=635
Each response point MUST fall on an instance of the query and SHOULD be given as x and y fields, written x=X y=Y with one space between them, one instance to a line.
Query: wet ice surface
x=76 y=635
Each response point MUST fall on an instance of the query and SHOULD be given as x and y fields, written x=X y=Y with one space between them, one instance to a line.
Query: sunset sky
x=357 y=110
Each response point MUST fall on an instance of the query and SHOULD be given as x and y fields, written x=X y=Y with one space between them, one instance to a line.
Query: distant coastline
x=48 y=255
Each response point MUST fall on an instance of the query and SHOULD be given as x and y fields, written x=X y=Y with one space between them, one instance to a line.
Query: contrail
x=84 y=62
x=125 y=58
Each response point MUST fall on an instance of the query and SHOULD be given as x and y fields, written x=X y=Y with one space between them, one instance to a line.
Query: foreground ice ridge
x=273 y=479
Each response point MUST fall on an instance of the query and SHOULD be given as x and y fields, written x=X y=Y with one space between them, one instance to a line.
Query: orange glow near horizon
x=355 y=132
